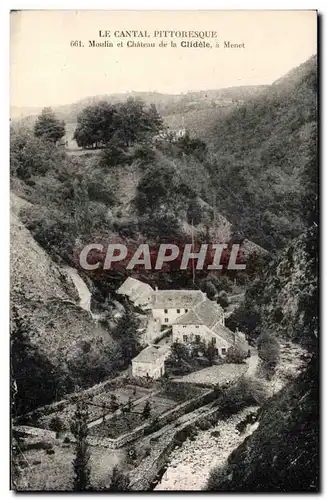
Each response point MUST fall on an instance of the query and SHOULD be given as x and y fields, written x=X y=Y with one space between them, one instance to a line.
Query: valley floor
x=190 y=465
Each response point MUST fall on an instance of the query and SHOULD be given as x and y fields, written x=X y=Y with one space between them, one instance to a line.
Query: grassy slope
x=42 y=290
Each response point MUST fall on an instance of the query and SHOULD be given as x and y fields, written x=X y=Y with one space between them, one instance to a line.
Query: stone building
x=137 y=291
x=150 y=362
x=205 y=323
x=169 y=305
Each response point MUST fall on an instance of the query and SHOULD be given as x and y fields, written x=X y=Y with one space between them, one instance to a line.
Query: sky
x=47 y=71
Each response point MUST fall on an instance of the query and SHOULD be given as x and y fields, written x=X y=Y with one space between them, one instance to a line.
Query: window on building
x=184 y=326
x=197 y=338
x=216 y=352
x=213 y=340
x=166 y=320
x=178 y=311
x=165 y=311
x=223 y=350
x=186 y=310
x=184 y=338
x=196 y=326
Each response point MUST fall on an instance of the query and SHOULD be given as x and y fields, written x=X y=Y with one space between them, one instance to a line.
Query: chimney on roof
x=156 y=288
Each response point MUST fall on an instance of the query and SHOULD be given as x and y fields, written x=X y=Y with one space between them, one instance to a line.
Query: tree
x=96 y=125
x=49 y=127
x=129 y=404
x=30 y=155
x=178 y=351
x=56 y=425
x=127 y=334
x=113 y=403
x=146 y=413
x=268 y=352
x=191 y=146
x=208 y=287
x=223 y=299
x=245 y=392
x=236 y=355
x=210 y=353
x=82 y=456
x=137 y=121
x=119 y=480
x=116 y=125
x=268 y=348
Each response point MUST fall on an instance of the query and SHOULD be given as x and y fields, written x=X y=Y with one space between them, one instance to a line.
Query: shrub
x=269 y=352
x=268 y=348
x=146 y=410
x=56 y=425
x=235 y=355
x=119 y=480
x=245 y=392
x=223 y=300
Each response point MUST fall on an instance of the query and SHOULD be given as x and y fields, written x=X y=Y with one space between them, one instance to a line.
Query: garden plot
x=96 y=405
x=122 y=424
x=159 y=404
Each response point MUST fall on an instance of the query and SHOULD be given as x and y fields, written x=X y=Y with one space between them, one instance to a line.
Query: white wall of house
x=155 y=369
x=194 y=333
x=168 y=316
x=153 y=330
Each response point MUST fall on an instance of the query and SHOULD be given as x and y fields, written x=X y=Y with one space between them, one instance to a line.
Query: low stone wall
x=71 y=398
x=25 y=430
x=148 y=472
x=129 y=437
x=165 y=418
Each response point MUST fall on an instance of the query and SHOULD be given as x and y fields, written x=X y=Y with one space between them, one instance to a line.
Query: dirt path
x=81 y=287
x=191 y=464
x=252 y=363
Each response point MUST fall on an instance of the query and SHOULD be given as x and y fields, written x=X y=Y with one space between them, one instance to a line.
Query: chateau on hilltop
x=190 y=315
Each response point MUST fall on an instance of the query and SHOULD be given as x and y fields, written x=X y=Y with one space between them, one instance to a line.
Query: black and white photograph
x=164 y=227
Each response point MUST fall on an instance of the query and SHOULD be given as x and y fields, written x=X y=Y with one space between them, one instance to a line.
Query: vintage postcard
x=164 y=251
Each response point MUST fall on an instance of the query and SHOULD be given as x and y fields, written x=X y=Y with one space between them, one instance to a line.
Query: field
x=41 y=471
x=217 y=374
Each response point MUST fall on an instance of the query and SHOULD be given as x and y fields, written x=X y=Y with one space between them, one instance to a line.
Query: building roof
x=135 y=289
x=205 y=312
x=210 y=314
x=231 y=337
x=167 y=299
x=151 y=353
x=223 y=332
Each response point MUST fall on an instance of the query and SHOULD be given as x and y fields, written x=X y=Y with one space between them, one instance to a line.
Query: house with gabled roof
x=169 y=305
x=151 y=361
x=137 y=291
x=204 y=323
x=191 y=315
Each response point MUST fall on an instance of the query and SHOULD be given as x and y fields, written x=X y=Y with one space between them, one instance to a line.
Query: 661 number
x=76 y=43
